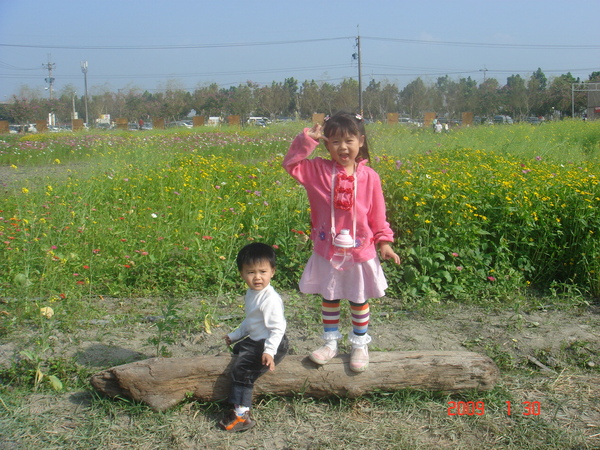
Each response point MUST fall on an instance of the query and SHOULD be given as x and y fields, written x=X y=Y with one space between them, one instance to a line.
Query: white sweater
x=264 y=319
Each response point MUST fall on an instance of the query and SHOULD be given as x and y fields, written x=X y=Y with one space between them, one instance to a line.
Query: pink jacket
x=315 y=175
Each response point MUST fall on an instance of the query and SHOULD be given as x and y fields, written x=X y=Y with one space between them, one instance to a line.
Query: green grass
x=484 y=211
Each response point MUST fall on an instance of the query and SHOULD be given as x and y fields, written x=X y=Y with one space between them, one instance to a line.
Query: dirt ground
x=560 y=349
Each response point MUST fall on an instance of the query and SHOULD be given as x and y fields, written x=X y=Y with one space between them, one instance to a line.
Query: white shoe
x=359 y=359
x=322 y=355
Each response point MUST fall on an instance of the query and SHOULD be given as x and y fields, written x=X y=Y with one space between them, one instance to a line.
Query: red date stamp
x=478 y=408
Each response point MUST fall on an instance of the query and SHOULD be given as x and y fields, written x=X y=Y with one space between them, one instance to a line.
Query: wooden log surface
x=163 y=382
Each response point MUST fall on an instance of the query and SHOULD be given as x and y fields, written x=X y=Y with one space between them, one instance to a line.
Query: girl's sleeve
x=296 y=157
x=382 y=232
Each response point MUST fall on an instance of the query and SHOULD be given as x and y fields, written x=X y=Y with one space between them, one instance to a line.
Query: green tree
x=310 y=100
x=243 y=100
x=413 y=98
x=389 y=98
x=271 y=100
x=515 y=97
x=328 y=93
x=346 y=97
x=290 y=93
x=487 y=98
x=372 y=100
x=380 y=98
x=594 y=77
x=542 y=81
x=21 y=110
x=560 y=94
x=210 y=100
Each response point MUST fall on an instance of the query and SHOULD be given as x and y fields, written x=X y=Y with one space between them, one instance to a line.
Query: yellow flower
x=25 y=190
x=47 y=312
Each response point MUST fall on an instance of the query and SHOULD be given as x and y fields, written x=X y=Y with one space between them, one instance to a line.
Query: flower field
x=479 y=213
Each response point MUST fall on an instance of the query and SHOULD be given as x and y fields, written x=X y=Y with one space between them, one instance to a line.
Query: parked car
x=258 y=121
x=533 y=120
x=180 y=123
x=503 y=119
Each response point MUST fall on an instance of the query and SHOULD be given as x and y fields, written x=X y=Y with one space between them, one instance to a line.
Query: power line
x=171 y=47
x=303 y=41
x=5 y=65
x=489 y=45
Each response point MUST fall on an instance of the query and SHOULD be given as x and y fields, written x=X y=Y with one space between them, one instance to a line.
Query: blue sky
x=154 y=44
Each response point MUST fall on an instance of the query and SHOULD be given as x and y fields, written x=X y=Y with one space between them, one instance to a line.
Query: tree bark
x=163 y=382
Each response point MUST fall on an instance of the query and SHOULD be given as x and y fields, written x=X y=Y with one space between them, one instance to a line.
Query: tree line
x=519 y=97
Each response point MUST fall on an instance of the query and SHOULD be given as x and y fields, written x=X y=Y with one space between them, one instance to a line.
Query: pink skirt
x=358 y=284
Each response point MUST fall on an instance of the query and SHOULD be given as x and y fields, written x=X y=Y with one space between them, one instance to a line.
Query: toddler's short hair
x=255 y=252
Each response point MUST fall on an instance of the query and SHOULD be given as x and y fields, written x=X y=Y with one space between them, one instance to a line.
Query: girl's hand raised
x=316 y=132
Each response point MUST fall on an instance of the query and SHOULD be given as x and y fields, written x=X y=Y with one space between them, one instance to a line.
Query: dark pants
x=248 y=366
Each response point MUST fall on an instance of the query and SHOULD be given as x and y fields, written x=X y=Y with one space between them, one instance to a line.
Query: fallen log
x=163 y=382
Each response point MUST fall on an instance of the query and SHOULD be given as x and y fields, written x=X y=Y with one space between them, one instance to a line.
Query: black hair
x=344 y=123
x=256 y=252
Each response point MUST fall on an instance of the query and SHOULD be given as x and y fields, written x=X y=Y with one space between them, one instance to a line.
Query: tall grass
x=478 y=212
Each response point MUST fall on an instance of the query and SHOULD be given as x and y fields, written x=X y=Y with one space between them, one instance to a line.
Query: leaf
x=27 y=354
x=55 y=382
x=39 y=376
x=207 y=324
x=22 y=280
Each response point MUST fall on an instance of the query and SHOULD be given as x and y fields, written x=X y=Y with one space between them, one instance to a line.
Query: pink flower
x=459 y=268
x=491 y=278
x=454 y=254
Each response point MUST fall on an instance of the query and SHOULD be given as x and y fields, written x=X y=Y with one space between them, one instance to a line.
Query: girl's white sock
x=332 y=344
x=240 y=410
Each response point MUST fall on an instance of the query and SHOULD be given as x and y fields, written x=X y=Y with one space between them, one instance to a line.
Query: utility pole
x=49 y=79
x=84 y=69
x=484 y=70
x=357 y=57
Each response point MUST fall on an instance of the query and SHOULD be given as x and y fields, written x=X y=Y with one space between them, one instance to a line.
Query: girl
x=344 y=194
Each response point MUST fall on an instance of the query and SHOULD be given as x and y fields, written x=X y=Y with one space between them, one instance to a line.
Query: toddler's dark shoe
x=233 y=422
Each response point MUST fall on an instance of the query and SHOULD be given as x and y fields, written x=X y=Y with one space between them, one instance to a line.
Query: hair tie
x=326 y=118
x=359 y=117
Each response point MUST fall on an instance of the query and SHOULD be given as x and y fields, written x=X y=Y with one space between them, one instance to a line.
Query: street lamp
x=84 y=69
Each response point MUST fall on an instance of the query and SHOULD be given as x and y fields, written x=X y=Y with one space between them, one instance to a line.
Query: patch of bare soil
x=559 y=350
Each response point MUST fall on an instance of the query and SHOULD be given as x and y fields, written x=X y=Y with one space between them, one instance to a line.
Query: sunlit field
x=480 y=214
